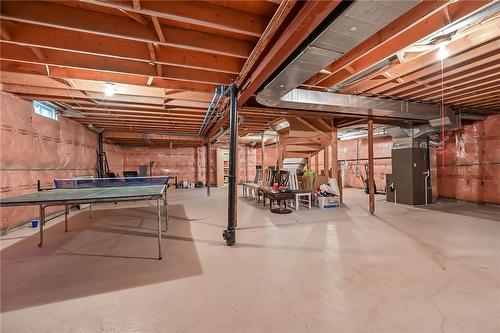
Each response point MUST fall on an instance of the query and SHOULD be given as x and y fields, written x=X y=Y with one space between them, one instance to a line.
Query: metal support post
x=101 y=173
x=209 y=148
x=230 y=233
x=371 y=173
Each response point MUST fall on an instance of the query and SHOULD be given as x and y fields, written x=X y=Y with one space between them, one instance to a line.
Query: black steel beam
x=230 y=233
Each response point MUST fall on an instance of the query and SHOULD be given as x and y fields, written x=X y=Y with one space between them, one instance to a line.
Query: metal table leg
x=66 y=218
x=159 y=228
x=165 y=204
x=41 y=222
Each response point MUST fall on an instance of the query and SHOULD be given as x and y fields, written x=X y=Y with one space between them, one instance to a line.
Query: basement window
x=44 y=110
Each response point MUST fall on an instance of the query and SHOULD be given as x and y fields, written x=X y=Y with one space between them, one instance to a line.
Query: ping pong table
x=69 y=192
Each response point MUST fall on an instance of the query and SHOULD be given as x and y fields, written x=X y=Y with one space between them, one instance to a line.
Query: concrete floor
x=406 y=269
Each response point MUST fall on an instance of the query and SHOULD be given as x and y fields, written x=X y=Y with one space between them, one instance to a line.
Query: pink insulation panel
x=246 y=162
x=186 y=163
x=270 y=156
x=115 y=158
x=34 y=148
x=470 y=170
x=348 y=150
x=178 y=162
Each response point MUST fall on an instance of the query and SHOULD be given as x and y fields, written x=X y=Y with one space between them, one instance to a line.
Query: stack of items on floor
x=326 y=190
x=328 y=195
x=304 y=186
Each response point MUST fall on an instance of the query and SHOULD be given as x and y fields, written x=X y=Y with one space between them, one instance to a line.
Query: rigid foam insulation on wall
x=34 y=148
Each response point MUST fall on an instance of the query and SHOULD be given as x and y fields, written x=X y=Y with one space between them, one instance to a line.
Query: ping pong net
x=76 y=183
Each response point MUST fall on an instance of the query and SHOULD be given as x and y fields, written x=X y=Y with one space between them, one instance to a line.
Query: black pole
x=100 y=155
x=209 y=180
x=230 y=233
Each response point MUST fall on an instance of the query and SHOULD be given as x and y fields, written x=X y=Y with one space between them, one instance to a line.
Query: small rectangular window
x=45 y=110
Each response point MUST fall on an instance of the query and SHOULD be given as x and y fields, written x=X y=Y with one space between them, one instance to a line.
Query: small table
x=281 y=198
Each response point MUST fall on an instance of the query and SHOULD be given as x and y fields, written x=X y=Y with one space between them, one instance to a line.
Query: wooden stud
x=326 y=167
x=263 y=150
x=158 y=29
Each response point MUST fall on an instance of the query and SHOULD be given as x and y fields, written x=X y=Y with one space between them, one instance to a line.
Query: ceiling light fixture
x=109 y=89
x=443 y=52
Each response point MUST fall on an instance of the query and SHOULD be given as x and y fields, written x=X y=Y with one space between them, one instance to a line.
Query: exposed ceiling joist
x=17 y=53
x=77 y=19
x=79 y=42
x=198 y=13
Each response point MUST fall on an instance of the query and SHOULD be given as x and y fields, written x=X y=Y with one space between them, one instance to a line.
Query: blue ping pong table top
x=110 y=182
x=87 y=193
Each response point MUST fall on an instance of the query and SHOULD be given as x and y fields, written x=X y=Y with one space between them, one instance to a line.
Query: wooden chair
x=249 y=189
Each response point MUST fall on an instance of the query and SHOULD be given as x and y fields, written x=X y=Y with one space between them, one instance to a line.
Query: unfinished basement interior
x=250 y=166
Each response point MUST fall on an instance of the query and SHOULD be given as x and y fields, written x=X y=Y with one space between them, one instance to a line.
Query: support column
x=101 y=172
x=208 y=171
x=281 y=152
x=335 y=154
x=325 y=161
x=371 y=173
x=309 y=157
x=316 y=163
x=230 y=233
x=480 y=161
x=262 y=150
x=247 y=169
x=196 y=166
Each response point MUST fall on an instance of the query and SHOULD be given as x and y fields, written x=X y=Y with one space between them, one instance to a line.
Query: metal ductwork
x=359 y=105
x=356 y=23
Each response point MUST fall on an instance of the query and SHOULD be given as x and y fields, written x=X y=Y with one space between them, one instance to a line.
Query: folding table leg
x=159 y=228
x=165 y=204
x=90 y=209
x=41 y=223
x=66 y=218
x=296 y=202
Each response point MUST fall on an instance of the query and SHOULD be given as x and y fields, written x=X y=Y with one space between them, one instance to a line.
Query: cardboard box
x=327 y=202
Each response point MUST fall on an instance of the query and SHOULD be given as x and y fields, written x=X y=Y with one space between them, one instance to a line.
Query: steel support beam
x=101 y=172
x=371 y=173
x=230 y=233
x=209 y=148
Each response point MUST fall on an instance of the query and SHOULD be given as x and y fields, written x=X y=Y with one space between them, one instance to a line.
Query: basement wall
x=469 y=163
x=353 y=155
x=187 y=163
x=270 y=155
x=34 y=148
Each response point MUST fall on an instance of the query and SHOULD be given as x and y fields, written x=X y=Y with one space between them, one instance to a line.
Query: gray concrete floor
x=406 y=269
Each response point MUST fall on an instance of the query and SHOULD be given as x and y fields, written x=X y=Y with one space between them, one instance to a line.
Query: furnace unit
x=413 y=174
